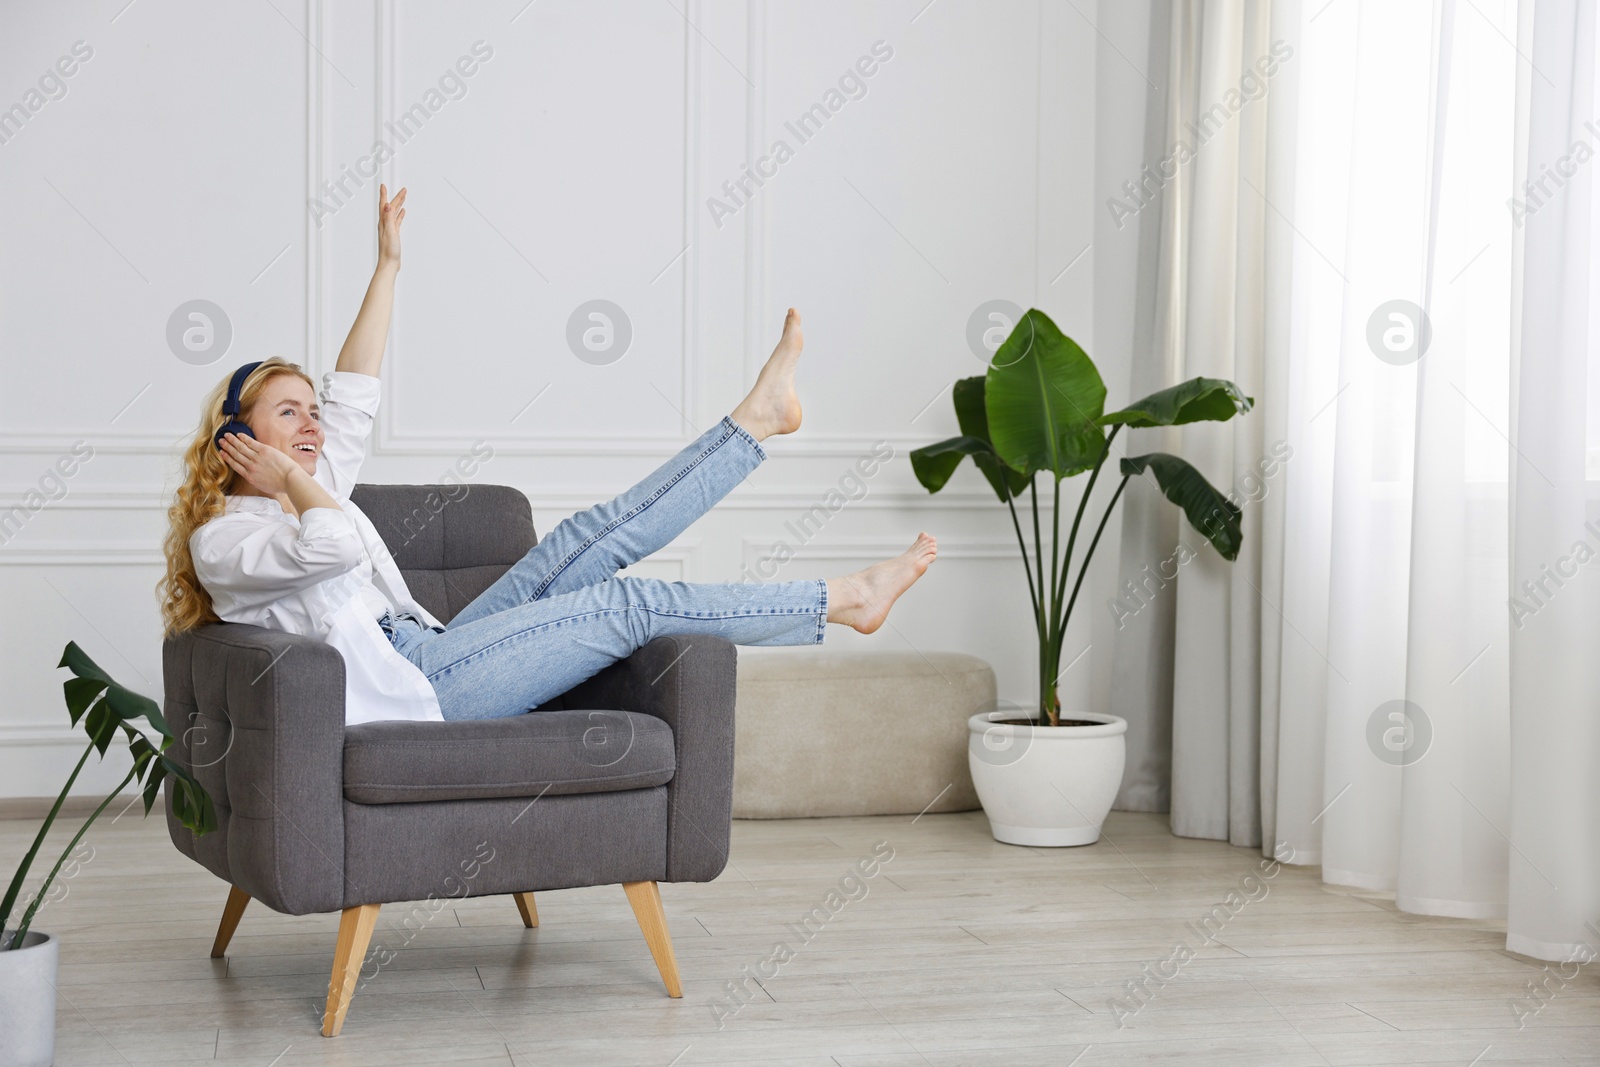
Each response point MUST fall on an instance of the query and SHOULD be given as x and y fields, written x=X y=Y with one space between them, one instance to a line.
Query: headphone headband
x=230 y=406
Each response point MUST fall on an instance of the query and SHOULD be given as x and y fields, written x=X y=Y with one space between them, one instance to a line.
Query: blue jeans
x=560 y=615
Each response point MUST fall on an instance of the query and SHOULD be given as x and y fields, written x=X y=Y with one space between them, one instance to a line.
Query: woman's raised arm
x=363 y=349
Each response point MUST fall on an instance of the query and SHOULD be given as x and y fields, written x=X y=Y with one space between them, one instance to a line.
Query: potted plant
x=1045 y=779
x=27 y=956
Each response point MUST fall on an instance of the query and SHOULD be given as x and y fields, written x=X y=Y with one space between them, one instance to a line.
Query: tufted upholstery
x=451 y=542
x=259 y=718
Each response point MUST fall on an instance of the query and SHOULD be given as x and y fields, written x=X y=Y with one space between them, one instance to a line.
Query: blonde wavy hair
x=185 y=604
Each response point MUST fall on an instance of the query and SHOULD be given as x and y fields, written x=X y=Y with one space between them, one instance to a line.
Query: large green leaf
x=934 y=464
x=973 y=415
x=103 y=707
x=130 y=705
x=153 y=771
x=1196 y=400
x=1208 y=511
x=81 y=692
x=152 y=786
x=190 y=803
x=967 y=395
x=82 y=666
x=101 y=725
x=1043 y=396
x=120 y=702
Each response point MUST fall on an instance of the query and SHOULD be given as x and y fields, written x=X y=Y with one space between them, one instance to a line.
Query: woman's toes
x=773 y=406
x=782 y=399
x=793 y=338
x=883 y=583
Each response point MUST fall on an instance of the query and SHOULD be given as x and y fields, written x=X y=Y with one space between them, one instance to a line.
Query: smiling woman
x=264 y=532
x=213 y=476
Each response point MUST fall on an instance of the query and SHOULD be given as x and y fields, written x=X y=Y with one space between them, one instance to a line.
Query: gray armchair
x=626 y=779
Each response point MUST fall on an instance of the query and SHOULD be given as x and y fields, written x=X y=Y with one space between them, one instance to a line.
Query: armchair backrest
x=451 y=542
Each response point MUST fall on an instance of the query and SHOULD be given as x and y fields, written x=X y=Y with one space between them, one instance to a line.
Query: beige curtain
x=1188 y=660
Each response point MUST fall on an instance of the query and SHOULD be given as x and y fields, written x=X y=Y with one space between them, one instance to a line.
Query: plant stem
x=1022 y=542
x=1058 y=582
x=1083 y=504
x=1040 y=623
x=1038 y=551
x=1054 y=656
x=27 y=916
x=27 y=861
x=1083 y=568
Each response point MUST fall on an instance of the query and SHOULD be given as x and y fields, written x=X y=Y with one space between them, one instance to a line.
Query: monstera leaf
x=104 y=706
x=1043 y=399
x=117 y=708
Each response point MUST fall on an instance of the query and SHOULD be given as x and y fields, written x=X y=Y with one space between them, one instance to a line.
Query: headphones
x=230 y=406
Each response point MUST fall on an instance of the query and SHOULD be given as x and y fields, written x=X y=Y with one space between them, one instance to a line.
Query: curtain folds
x=1207 y=270
x=1554 y=894
x=1361 y=689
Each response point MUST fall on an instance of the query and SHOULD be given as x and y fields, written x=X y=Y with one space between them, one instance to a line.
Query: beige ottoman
x=823 y=732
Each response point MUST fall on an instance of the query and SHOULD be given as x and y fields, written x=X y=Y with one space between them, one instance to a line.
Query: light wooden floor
x=963 y=951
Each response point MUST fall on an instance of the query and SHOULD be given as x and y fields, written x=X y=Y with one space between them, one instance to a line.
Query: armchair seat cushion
x=532 y=755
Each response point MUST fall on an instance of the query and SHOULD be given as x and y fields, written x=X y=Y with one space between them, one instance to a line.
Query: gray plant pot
x=28 y=1001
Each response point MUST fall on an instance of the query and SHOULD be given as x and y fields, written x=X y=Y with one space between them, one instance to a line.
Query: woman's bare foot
x=773 y=406
x=862 y=600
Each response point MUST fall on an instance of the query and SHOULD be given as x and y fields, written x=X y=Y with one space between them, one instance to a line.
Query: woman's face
x=286 y=417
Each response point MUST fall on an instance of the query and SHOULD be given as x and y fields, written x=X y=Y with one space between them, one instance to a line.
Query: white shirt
x=328 y=573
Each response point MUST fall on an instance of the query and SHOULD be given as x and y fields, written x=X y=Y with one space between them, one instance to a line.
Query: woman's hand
x=267 y=468
x=363 y=348
x=391 y=213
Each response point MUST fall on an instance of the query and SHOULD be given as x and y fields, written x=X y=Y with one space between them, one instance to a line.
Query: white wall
x=578 y=165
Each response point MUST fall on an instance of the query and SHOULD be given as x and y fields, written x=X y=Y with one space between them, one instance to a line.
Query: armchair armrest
x=688 y=682
x=257 y=717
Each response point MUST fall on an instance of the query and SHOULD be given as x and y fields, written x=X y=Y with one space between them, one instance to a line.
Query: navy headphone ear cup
x=233 y=426
x=230 y=405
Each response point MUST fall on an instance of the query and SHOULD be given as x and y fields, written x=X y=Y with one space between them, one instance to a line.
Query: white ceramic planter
x=28 y=1001
x=1046 y=785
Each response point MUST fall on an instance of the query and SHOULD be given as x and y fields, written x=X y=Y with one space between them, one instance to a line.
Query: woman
x=263 y=531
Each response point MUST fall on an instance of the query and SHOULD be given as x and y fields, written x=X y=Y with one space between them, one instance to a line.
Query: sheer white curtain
x=1555 y=671
x=1355 y=693
x=1398 y=778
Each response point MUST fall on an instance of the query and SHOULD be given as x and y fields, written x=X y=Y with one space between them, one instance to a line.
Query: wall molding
x=156 y=442
x=687 y=554
x=756 y=227
x=18 y=734
x=83 y=554
x=389 y=440
x=34 y=762
x=94 y=500
x=813 y=445
x=126 y=443
x=873 y=548
x=318 y=144
x=741 y=499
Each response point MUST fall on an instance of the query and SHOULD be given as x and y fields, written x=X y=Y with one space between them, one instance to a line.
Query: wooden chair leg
x=646 y=900
x=231 y=913
x=530 y=913
x=355 y=932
